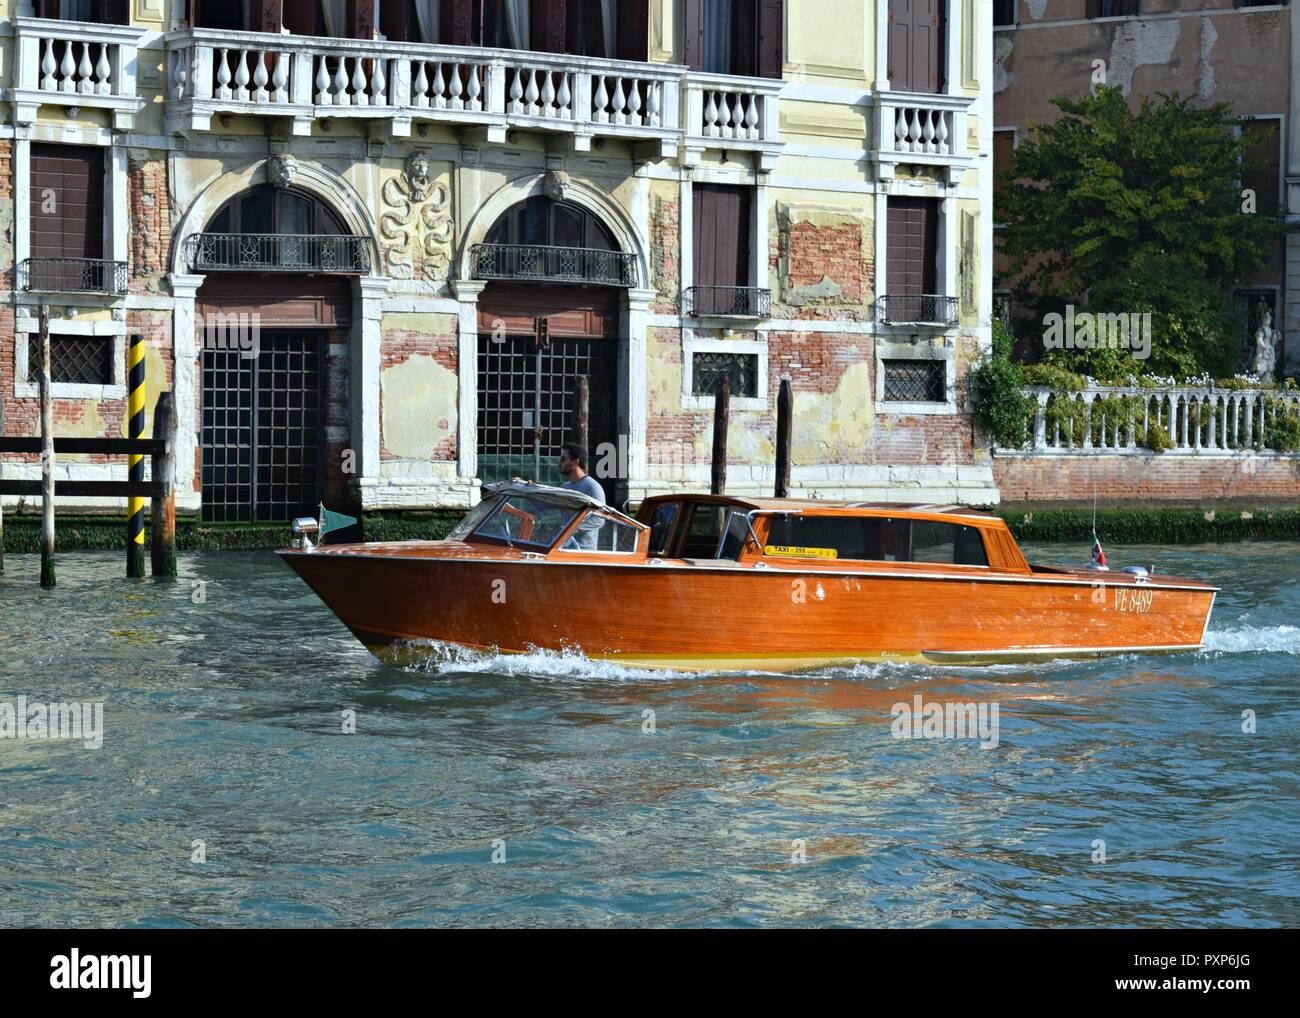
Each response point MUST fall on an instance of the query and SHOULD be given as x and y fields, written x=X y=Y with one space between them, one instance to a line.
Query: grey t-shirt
x=587 y=532
x=588 y=486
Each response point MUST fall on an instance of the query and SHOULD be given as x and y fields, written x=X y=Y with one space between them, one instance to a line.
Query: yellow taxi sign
x=782 y=549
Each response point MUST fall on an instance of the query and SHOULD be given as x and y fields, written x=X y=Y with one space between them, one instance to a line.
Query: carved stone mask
x=281 y=169
x=557 y=185
x=418 y=175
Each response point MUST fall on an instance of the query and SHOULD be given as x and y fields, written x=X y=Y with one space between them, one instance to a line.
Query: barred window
x=914 y=381
x=79 y=360
x=710 y=366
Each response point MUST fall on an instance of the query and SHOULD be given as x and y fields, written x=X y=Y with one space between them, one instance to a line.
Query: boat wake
x=1254 y=639
x=430 y=656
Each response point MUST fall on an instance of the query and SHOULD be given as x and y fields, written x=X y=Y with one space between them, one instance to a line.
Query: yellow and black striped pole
x=135 y=473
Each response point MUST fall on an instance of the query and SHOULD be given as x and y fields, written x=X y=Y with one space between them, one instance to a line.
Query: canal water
x=1120 y=792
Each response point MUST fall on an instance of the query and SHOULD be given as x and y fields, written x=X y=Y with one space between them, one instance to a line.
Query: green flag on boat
x=330 y=520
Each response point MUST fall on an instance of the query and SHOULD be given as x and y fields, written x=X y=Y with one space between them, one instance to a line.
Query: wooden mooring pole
x=721 y=410
x=2 y=502
x=581 y=410
x=135 y=467
x=784 y=416
x=162 y=538
x=47 y=454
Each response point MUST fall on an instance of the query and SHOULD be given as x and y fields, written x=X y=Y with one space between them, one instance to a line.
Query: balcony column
x=632 y=370
x=364 y=363
x=185 y=355
x=467 y=291
x=22 y=167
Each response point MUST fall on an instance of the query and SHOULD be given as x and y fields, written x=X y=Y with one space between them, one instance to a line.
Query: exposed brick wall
x=834 y=252
x=6 y=215
x=1146 y=478
x=150 y=238
x=399 y=346
x=665 y=253
x=816 y=362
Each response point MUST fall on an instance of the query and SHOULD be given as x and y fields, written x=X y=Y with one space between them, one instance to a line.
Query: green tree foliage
x=1002 y=405
x=1136 y=210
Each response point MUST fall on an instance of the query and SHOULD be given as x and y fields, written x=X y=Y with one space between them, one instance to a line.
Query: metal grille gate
x=262 y=436
x=508 y=376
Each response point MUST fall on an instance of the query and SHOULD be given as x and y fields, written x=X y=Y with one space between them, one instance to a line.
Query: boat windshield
x=521 y=519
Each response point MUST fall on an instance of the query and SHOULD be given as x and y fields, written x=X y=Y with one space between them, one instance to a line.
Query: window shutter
x=771 y=52
x=76 y=176
x=693 y=35
x=744 y=37
x=912 y=235
x=720 y=235
x=300 y=16
x=458 y=22
x=264 y=15
x=392 y=19
x=363 y=25
x=547 y=23
x=633 y=30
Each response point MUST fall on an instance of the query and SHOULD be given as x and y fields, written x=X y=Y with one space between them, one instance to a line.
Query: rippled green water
x=223 y=724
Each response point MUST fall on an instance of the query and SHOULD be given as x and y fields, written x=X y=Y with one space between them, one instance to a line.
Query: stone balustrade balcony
x=663 y=108
x=301 y=78
x=75 y=64
x=921 y=129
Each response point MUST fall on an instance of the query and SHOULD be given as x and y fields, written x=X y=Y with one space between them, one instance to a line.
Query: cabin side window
x=875 y=539
x=604 y=533
x=703 y=531
x=661 y=527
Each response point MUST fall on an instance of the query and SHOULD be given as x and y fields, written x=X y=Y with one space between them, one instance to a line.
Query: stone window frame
x=923 y=350
x=116 y=208
x=29 y=327
x=758 y=225
x=693 y=344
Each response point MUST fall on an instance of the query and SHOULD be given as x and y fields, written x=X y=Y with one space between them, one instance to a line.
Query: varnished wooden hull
x=399 y=599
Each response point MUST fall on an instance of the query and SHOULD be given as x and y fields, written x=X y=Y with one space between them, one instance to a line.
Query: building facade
x=1242 y=52
x=336 y=225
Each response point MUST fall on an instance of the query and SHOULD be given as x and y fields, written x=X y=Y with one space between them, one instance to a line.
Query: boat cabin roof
x=778 y=505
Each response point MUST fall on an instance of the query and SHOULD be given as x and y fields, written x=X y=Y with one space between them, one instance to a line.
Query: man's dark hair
x=576 y=453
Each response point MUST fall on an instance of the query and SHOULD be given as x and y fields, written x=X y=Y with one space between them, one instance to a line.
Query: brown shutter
x=363 y=24
x=109 y=12
x=912 y=242
x=73 y=177
x=633 y=28
x=693 y=35
x=300 y=16
x=393 y=20
x=720 y=235
x=457 y=27
x=916 y=30
x=264 y=15
x=744 y=37
x=771 y=27
x=546 y=25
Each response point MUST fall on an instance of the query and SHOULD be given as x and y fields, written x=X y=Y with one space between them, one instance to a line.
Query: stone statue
x=1266 y=339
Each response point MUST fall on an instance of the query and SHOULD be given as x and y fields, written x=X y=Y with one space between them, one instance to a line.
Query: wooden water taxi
x=721 y=583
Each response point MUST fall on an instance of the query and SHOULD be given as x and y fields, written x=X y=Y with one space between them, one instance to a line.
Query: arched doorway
x=276 y=292
x=551 y=260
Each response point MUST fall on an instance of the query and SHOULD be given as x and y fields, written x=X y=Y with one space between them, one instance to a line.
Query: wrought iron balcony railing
x=277 y=252
x=557 y=264
x=916 y=309
x=727 y=302
x=72 y=275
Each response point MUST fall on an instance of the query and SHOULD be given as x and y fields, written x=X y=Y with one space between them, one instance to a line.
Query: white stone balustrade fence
x=1197 y=419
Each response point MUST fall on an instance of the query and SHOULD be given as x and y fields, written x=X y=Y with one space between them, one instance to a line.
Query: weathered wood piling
x=784 y=418
x=162 y=537
x=47 y=454
x=721 y=412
